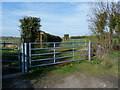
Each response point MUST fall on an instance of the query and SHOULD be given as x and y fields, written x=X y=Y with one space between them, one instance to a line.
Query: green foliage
x=97 y=61
x=101 y=22
x=30 y=31
x=114 y=22
x=105 y=17
x=53 y=38
x=29 y=28
x=78 y=37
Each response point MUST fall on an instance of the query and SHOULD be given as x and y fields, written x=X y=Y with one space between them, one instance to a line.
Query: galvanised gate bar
x=13 y=57
x=32 y=55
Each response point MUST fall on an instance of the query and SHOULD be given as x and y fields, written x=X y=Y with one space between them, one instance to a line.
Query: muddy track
x=78 y=80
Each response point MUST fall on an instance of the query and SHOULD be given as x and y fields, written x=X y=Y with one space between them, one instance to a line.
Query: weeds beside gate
x=32 y=55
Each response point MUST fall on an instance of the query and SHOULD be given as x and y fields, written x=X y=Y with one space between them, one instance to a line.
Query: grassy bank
x=94 y=67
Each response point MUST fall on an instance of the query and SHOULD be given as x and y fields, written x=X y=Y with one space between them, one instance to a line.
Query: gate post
x=29 y=54
x=26 y=57
x=23 y=58
x=89 y=50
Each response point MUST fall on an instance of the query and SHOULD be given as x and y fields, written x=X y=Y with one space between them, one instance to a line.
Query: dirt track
x=78 y=80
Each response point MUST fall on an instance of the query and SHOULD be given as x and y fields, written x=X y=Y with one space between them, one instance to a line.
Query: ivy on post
x=66 y=37
x=41 y=39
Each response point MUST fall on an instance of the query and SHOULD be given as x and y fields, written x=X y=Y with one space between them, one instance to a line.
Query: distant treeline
x=46 y=37
x=80 y=37
x=9 y=37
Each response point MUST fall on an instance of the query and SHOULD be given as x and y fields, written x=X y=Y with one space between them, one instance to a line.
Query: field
x=17 y=40
x=10 y=39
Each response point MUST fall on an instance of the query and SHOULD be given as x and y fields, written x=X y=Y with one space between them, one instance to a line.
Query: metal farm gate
x=10 y=54
x=30 y=55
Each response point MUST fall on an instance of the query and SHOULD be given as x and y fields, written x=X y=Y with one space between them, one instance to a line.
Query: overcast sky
x=57 y=18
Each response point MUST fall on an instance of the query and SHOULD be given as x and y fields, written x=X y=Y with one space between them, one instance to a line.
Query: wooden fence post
x=4 y=44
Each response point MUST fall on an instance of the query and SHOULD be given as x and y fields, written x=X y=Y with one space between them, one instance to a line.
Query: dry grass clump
x=107 y=62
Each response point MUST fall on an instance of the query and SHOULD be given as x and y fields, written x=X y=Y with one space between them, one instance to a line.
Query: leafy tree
x=29 y=29
x=114 y=18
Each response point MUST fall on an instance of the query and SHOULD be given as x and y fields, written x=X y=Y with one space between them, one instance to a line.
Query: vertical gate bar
x=19 y=55
x=89 y=51
x=73 y=51
x=23 y=58
x=54 y=52
x=26 y=58
x=30 y=54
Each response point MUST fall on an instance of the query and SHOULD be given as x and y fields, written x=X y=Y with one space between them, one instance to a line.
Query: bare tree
x=104 y=21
